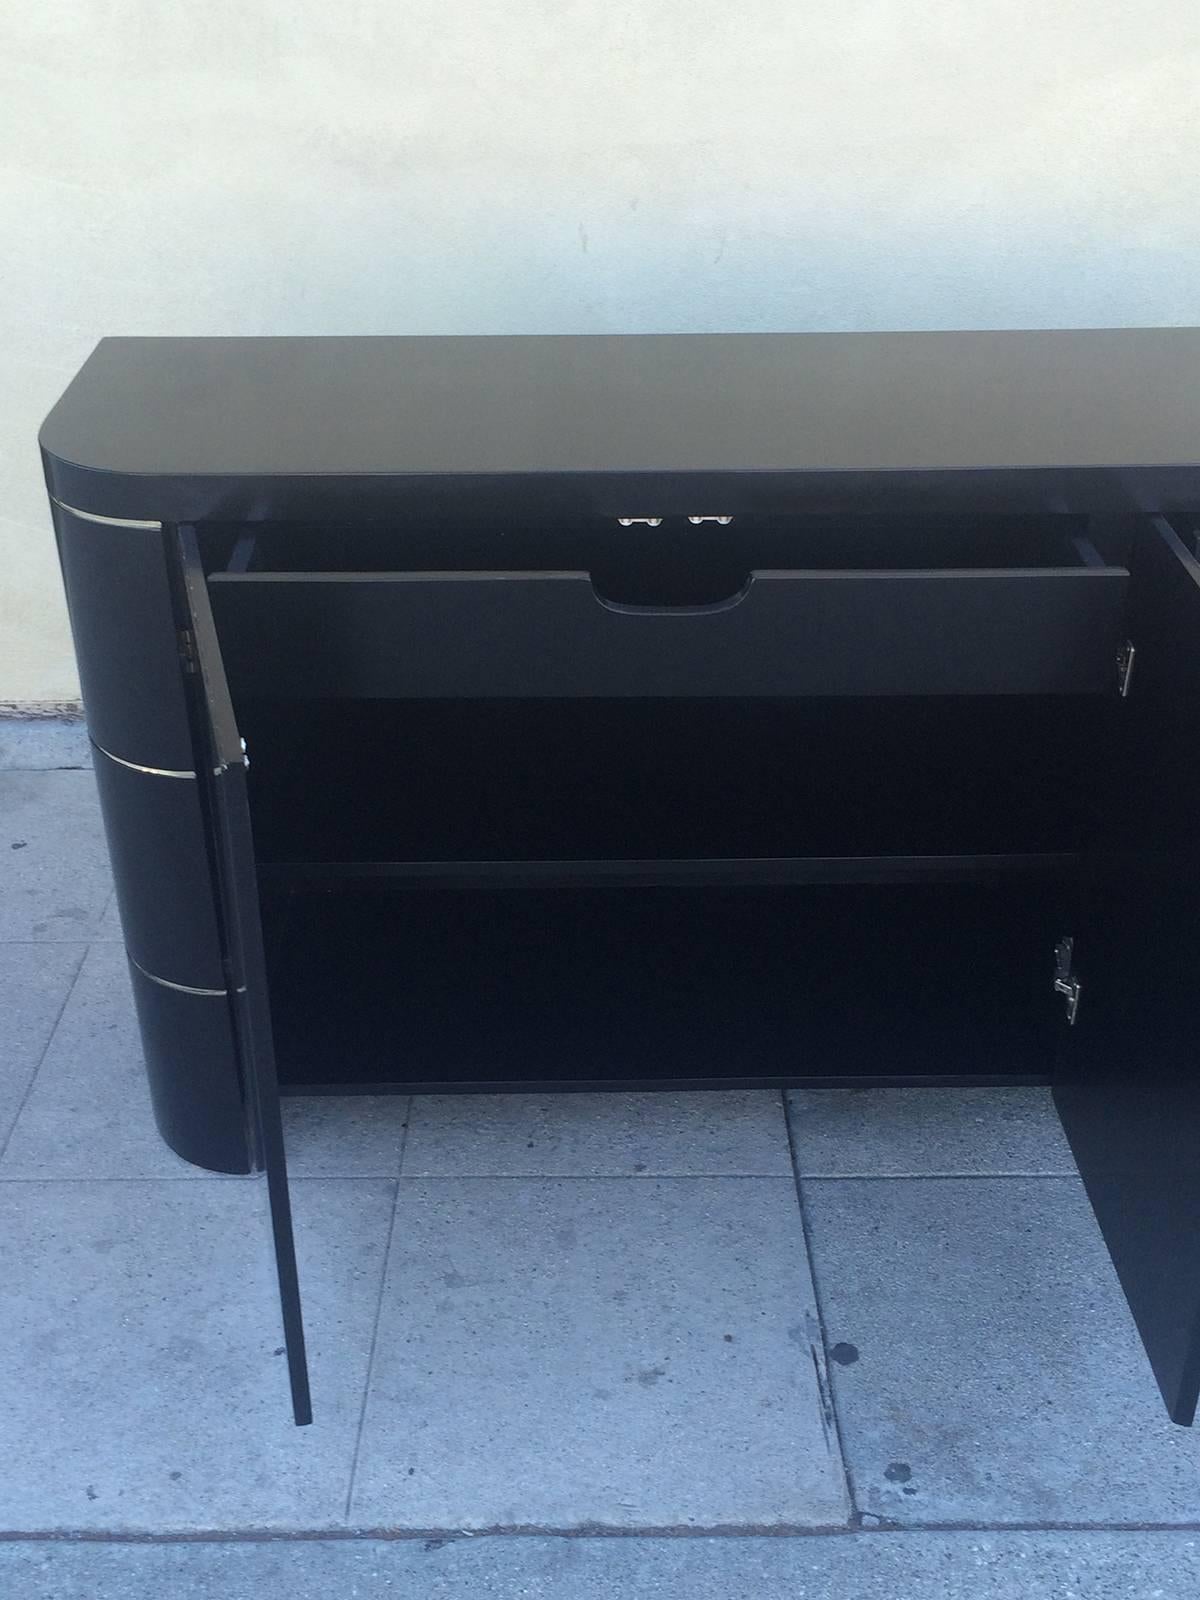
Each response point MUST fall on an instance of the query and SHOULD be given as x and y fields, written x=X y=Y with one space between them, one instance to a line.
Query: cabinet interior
x=534 y=890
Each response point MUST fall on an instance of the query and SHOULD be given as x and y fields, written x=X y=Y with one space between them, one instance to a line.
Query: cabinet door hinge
x=1125 y=657
x=187 y=650
x=1065 y=981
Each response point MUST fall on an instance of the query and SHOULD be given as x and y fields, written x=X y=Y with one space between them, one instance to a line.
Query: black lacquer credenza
x=630 y=712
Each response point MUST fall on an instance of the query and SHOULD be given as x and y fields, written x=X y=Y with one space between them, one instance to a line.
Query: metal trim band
x=107 y=522
x=136 y=766
x=180 y=988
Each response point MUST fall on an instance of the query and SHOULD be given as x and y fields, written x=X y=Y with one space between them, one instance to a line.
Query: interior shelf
x=699 y=872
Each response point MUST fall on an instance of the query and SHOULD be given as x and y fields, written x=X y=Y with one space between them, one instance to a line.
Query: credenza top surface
x=189 y=411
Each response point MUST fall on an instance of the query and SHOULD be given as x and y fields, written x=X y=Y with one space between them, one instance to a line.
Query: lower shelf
x=595 y=987
x=734 y=872
x=333 y=1089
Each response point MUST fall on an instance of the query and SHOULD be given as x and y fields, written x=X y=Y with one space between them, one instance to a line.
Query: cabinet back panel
x=661 y=986
x=362 y=781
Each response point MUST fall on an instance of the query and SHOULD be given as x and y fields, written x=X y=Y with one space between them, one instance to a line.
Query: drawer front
x=431 y=635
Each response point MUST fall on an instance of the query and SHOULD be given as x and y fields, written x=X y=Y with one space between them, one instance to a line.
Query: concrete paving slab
x=985 y=1366
x=351 y=1136
x=580 y=1352
x=35 y=981
x=37 y=744
x=54 y=875
x=88 y=1113
x=874 y=1133
x=144 y=1387
x=109 y=926
x=914 y=1566
x=598 y=1135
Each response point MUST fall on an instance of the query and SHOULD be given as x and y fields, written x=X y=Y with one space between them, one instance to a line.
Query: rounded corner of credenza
x=191 y=1063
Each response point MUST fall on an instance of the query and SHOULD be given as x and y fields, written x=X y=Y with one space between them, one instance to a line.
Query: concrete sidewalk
x=850 y=1318
x=863 y=1566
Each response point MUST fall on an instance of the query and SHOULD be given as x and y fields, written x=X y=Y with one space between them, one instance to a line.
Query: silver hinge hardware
x=187 y=650
x=1125 y=657
x=696 y=521
x=650 y=522
x=1065 y=981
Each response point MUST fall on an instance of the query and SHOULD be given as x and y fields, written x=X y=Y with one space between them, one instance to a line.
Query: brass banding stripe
x=136 y=766
x=108 y=522
x=180 y=988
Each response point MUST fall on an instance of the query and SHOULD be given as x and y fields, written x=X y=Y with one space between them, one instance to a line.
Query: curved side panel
x=125 y=640
x=191 y=1065
x=160 y=861
x=127 y=646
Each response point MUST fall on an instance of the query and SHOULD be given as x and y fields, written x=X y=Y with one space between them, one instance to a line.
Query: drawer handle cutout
x=661 y=608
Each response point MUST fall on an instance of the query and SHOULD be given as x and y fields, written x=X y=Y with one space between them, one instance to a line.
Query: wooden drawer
x=786 y=633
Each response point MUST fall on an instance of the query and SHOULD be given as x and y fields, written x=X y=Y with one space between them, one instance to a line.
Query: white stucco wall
x=370 y=166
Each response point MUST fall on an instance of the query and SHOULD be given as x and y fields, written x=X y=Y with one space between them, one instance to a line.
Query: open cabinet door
x=229 y=808
x=1129 y=1086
